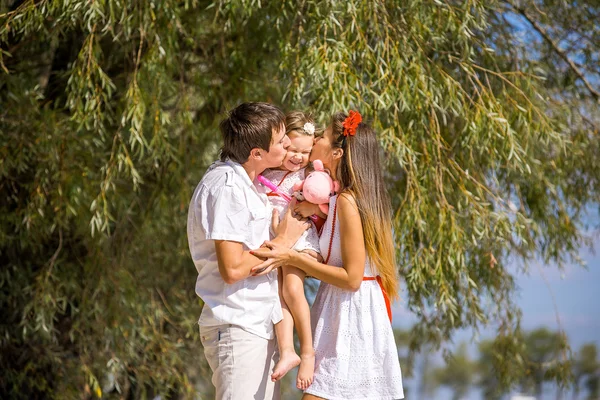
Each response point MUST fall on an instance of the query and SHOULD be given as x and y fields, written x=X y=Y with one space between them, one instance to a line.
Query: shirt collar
x=239 y=170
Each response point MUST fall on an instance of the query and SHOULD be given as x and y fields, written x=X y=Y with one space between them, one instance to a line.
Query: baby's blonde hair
x=295 y=120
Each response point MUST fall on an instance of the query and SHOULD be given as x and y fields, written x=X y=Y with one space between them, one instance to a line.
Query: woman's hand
x=306 y=209
x=275 y=255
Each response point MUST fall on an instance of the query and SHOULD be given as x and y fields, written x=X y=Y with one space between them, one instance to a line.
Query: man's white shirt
x=227 y=206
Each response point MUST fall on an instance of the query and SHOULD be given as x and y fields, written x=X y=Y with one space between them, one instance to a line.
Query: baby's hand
x=298 y=195
x=306 y=209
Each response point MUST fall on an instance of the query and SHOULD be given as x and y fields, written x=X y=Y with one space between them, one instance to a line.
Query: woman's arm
x=352 y=245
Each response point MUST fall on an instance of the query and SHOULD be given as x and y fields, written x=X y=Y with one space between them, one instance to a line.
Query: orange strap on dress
x=388 y=305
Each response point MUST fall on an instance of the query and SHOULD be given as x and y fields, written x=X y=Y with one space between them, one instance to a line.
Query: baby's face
x=298 y=152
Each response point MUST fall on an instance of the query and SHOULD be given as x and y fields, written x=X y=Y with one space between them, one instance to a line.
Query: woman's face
x=323 y=148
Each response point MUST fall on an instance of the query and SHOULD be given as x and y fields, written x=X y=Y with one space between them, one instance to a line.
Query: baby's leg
x=284 y=330
x=293 y=293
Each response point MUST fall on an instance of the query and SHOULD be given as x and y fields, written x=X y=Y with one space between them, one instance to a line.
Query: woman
x=355 y=353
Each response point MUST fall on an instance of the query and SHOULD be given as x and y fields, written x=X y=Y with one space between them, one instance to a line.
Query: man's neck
x=252 y=170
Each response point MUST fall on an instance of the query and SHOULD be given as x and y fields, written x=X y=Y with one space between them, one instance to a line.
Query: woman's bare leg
x=293 y=293
x=284 y=330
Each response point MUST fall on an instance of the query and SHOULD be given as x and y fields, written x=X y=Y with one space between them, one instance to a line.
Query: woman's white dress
x=355 y=353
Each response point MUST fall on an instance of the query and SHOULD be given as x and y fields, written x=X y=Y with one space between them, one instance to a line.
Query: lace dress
x=285 y=180
x=355 y=352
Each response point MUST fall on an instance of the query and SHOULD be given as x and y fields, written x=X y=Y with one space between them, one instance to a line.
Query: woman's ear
x=338 y=153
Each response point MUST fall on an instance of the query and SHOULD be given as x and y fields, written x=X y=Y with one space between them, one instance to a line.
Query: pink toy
x=281 y=194
x=317 y=187
x=273 y=188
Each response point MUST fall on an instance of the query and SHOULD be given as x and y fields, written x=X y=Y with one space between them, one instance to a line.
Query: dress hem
x=329 y=397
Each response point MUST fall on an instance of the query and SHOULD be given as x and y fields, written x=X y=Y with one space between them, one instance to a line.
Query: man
x=227 y=218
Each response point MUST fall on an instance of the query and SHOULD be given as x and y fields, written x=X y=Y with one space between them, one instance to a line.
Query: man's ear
x=338 y=153
x=256 y=153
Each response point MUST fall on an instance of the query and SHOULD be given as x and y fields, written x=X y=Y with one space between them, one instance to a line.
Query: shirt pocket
x=259 y=226
x=258 y=213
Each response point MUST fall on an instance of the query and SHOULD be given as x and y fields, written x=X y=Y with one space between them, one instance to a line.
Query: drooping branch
x=561 y=53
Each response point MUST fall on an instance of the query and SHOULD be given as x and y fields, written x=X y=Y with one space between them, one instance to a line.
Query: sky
x=575 y=289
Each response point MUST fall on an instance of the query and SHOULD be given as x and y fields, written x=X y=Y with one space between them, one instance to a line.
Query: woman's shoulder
x=347 y=203
x=346 y=197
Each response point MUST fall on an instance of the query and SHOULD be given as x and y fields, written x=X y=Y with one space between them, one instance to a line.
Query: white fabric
x=227 y=206
x=310 y=238
x=232 y=355
x=355 y=353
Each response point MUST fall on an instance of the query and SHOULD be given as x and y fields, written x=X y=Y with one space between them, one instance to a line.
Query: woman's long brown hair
x=360 y=175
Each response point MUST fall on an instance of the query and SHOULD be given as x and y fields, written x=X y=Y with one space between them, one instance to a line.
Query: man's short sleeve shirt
x=227 y=206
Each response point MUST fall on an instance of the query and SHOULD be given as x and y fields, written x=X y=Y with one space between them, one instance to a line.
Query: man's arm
x=236 y=264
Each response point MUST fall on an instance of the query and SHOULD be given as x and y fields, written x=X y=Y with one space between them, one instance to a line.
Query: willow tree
x=108 y=118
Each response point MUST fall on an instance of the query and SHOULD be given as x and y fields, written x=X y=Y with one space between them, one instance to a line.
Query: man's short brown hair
x=249 y=126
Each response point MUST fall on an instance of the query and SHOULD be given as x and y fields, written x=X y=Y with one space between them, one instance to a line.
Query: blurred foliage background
x=468 y=372
x=487 y=111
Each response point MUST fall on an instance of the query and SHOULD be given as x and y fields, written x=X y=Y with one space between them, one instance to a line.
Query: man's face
x=278 y=149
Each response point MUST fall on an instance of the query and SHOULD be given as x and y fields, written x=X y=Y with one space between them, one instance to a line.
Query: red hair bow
x=351 y=123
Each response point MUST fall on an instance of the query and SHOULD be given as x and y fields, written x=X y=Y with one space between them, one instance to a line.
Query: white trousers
x=241 y=363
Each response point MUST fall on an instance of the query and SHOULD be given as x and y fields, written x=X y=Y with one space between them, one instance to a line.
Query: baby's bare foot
x=288 y=360
x=306 y=371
